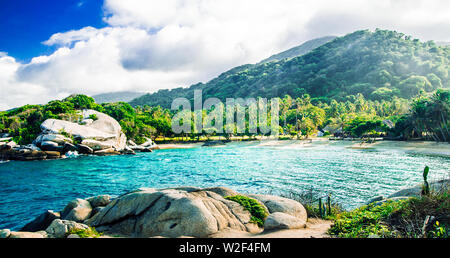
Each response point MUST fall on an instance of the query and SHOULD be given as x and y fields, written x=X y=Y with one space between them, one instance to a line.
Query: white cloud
x=154 y=44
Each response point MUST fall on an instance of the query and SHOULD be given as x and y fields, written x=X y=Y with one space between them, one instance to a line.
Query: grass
x=259 y=214
x=91 y=232
x=309 y=200
x=402 y=218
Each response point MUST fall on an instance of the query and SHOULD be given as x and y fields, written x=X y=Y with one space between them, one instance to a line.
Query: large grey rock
x=41 y=222
x=77 y=210
x=99 y=200
x=103 y=133
x=280 y=204
x=61 y=228
x=279 y=220
x=171 y=213
x=4 y=233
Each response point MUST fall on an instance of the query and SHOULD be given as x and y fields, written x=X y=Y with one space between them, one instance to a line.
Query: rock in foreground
x=170 y=212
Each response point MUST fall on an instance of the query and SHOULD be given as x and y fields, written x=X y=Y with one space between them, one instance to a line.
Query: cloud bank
x=157 y=44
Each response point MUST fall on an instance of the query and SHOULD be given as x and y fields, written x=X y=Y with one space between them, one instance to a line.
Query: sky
x=51 y=49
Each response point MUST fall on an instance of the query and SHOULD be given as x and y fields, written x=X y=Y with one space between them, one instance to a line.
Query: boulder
x=5 y=233
x=83 y=149
x=56 y=138
x=27 y=235
x=69 y=147
x=24 y=154
x=77 y=210
x=105 y=152
x=171 y=213
x=131 y=143
x=41 y=222
x=417 y=190
x=73 y=236
x=32 y=147
x=53 y=154
x=98 y=145
x=100 y=200
x=61 y=228
x=222 y=191
x=51 y=146
x=375 y=199
x=103 y=133
x=128 y=151
x=280 y=204
x=279 y=220
x=147 y=143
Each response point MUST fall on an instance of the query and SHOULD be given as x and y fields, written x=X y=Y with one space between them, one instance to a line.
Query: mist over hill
x=379 y=64
x=124 y=96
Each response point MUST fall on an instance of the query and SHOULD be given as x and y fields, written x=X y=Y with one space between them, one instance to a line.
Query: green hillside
x=380 y=65
x=304 y=48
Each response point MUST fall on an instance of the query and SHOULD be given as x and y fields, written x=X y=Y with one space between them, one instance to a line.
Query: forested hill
x=299 y=50
x=379 y=64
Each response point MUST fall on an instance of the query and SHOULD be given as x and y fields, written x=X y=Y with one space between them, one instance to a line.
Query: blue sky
x=25 y=24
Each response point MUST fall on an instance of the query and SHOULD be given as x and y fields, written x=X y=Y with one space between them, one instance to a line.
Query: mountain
x=124 y=96
x=380 y=65
x=304 y=48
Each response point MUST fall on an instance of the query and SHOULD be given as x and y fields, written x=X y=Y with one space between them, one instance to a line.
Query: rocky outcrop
x=409 y=192
x=170 y=212
x=102 y=136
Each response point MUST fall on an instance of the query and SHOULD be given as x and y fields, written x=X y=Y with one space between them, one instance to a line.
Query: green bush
x=366 y=220
x=259 y=214
x=91 y=232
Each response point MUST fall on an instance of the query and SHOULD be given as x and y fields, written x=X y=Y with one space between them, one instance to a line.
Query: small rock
x=61 y=228
x=4 y=233
x=100 y=200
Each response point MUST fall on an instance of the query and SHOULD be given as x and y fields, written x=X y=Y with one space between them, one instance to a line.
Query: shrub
x=91 y=232
x=257 y=211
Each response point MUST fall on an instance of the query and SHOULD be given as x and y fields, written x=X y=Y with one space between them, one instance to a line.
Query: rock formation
x=170 y=212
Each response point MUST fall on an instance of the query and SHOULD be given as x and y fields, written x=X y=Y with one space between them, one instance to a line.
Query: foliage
x=257 y=211
x=90 y=232
x=365 y=221
x=402 y=218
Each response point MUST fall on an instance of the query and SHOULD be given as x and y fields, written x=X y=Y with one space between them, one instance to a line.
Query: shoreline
x=411 y=147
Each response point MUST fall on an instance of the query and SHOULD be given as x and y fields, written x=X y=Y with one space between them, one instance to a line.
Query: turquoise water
x=351 y=176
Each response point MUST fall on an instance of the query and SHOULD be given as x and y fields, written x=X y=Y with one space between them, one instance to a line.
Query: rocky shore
x=94 y=134
x=171 y=212
x=185 y=212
